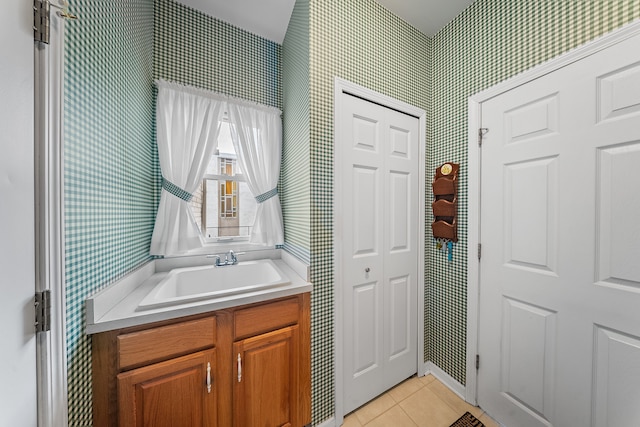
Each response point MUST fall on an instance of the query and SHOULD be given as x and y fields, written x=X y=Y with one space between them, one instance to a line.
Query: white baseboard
x=446 y=379
x=331 y=422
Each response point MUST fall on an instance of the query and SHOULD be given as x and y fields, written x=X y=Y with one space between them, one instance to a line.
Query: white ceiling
x=269 y=18
x=428 y=16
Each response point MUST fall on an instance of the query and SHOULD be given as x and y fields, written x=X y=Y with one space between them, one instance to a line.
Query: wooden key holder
x=445 y=205
x=445 y=230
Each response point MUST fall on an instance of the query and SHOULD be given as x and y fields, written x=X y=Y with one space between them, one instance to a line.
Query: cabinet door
x=266 y=379
x=176 y=393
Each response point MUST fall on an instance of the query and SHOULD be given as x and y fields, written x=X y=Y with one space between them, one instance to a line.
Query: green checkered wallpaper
x=109 y=164
x=295 y=179
x=489 y=42
x=112 y=178
x=363 y=42
x=195 y=49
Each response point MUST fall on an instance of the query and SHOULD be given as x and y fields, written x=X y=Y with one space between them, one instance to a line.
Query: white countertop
x=115 y=306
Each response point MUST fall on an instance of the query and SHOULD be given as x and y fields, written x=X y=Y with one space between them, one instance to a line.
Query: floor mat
x=467 y=420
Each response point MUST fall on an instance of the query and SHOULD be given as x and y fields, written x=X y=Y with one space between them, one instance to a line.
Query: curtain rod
x=215 y=95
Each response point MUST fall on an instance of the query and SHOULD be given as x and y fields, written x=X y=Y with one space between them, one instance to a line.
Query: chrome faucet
x=230 y=258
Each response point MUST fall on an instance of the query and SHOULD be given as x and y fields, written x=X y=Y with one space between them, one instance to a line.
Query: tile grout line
x=450 y=406
x=422 y=385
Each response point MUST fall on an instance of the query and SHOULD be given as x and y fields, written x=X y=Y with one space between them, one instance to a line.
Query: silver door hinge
x=41 y=20
x=479 y=251
x=43 y=311
x=477 y=362
x=481 y=133
x=42 y=17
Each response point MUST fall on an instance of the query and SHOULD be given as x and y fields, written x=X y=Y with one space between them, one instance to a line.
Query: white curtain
x=187 y=123
x=256 y=132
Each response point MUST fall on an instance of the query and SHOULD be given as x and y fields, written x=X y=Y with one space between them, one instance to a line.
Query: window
x=224 y=207
x=228 y=189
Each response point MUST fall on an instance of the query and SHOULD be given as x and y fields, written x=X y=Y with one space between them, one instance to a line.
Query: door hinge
x=41 y=20
x=43 y=311
x=477 y=362
x=479 y=251
x=481 y=133
x=42 y=17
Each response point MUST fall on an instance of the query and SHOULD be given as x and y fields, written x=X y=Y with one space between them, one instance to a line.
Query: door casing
x=51 y=353
x=474 y=187
x=341 y=86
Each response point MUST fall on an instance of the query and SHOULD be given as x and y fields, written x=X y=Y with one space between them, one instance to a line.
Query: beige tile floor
x=418 y=401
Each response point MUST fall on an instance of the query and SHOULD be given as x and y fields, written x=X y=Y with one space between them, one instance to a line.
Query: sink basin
x=183 y=285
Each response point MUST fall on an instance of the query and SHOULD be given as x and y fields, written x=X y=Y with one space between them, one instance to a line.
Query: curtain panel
x=186 y=124
x=257 y=139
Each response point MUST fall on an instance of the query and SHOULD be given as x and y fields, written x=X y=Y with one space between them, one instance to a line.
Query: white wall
x=17 y=277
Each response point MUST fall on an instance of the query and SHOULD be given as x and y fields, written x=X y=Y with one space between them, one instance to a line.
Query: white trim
x=340 y=86
x=474 y=156
x=423 y=367
x=473 y=240
x=338 y=321
x=446 y=379
x=51 y=357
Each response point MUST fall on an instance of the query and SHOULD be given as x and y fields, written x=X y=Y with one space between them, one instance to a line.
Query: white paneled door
x=379 y=223
x=559 y=320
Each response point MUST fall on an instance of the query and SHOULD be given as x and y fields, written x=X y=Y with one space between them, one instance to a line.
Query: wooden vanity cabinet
x=267 y=371
x=245 y=366
x=154 y=375
x=265 y=386
x=170 y=393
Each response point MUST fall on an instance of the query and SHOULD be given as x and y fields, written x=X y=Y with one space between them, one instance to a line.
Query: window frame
x=239 y=243
x=217 y=178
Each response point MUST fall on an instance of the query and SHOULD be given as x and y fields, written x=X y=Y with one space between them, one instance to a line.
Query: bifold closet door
x=379 y=222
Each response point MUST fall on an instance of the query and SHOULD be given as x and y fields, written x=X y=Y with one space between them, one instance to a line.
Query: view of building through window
x=223 y=206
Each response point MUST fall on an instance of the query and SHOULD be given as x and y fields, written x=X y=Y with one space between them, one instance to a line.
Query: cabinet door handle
x=208 y=377
x=239 y=368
